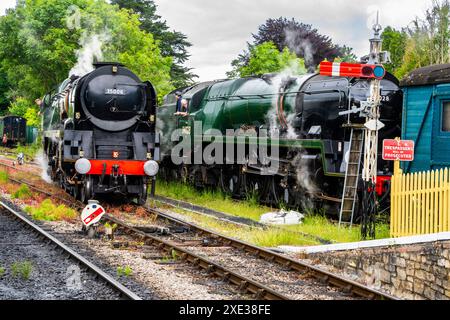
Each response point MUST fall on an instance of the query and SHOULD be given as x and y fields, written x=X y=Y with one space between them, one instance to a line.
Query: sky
x=220 y=29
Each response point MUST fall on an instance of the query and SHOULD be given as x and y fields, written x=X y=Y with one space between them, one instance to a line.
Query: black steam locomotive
x=313 y=145
x=99 y=134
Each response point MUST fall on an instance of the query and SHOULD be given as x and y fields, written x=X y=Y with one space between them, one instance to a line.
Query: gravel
x=50 y=274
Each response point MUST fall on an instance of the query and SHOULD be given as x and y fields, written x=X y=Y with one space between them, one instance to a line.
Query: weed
x=124 y=271
x=174 y=255
x=22 y=193
x=22 y=269
x=3 y=177
x=47 y=211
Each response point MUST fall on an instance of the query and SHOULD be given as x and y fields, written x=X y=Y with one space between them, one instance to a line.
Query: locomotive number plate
x=116 y=92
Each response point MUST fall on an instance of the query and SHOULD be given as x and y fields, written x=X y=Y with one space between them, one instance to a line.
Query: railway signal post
x=369 y=109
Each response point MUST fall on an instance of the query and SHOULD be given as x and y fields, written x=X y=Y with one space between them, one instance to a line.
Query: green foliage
x=22 y=269
x=124 y=271
x=22 y=193
x=265 y=58
x=3 y=177
x=38 y=45
x=302 y=39
x=22 y=107
x=47 y=211
x=172 y=43
x=2 y=271
x=394 y=41
x=211 y=199
x=424 y=42
x=4 y=88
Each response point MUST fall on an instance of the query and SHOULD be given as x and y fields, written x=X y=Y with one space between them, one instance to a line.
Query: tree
x=42 y=40
x=426 y=40
x=172 y=43
x=395 y=42
x=265 y=58
x=300 y=38
x=4 y=88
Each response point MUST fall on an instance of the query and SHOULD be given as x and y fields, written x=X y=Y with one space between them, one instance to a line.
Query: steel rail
x=244 y=284
x=347 y=285
x=122 y=290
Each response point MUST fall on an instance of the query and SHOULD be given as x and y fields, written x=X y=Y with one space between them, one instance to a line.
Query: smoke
x=91 y=43
x=301 y=47
x=41 y=159
x=90 y=52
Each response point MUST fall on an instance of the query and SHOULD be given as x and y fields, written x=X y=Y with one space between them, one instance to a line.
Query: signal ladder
x=352 y=175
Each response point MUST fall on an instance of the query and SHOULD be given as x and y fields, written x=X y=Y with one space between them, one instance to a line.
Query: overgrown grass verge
x=210 y=199
x=314 y=224
x=47 y=211
x=271 y=237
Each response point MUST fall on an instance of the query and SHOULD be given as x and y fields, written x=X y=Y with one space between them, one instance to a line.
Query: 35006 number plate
x=116 y=92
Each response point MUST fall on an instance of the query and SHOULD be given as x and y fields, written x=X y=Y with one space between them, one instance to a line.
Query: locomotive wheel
x=76 y=192
x=61 y=182
x=86 y=190
x=142 y=197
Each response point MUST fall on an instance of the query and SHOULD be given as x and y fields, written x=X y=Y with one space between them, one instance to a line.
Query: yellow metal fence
x=420 y=202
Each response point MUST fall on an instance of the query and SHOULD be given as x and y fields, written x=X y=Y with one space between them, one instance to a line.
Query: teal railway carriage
x=426 y=117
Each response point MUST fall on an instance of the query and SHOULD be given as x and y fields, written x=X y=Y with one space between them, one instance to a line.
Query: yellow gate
x=420 y=202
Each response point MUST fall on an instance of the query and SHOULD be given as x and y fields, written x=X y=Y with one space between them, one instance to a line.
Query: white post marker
x=92 y=213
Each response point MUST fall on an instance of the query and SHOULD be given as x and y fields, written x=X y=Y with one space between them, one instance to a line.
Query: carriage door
x=440 y=149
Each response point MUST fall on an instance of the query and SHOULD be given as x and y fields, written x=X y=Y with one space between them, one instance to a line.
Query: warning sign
x=92 y=213
x=398 y=150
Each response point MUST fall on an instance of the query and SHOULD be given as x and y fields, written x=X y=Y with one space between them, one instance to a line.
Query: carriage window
x=446 y=117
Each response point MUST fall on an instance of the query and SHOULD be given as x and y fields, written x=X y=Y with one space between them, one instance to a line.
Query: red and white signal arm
x=352 y=70
x=92 y=213
x=398 y=150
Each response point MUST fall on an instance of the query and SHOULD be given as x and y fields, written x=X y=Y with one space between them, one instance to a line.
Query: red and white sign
x=398 y=150
x=92 y=213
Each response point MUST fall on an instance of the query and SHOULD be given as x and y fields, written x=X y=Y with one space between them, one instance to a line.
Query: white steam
x=91 y=44
x=91 y=51
x=42 y=161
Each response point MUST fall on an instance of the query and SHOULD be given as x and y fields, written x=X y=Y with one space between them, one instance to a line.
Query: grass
x=22 y=269
x=211 y=199
x=268 y=238
x=47 y=211
x=22 y=193
x=3 y=177
x=29 y=151
x=125 y=271
x=314 y=224
x=2 y=271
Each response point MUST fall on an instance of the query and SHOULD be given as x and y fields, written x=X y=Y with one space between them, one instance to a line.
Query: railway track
x=259 y=290
x=68 y=252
